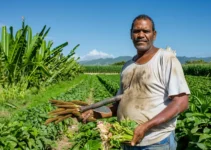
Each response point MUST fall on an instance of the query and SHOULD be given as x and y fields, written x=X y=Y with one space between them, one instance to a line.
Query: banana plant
x=30 y=60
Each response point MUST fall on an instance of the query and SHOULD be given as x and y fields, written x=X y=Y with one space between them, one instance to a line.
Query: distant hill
x=183 y=59
x=108 y=61
x=105 y=61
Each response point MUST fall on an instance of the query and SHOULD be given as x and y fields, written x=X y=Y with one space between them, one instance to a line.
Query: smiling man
x=154 y=90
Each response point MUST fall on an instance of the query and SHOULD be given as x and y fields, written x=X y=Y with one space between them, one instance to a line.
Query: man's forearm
x=178 y=105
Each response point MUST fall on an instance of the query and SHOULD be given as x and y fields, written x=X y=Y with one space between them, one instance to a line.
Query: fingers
x=134 y=140
x=138 y=135
x=86 y=117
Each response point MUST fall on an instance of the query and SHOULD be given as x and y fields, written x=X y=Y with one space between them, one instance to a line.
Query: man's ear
x=155 y=34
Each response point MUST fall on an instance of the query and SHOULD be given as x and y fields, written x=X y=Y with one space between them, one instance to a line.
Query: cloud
x=94 y=54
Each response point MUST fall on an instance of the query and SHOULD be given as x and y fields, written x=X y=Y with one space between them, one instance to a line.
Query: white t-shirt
x=146 y=89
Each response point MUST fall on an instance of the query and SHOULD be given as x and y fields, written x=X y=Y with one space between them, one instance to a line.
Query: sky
x=102 y=27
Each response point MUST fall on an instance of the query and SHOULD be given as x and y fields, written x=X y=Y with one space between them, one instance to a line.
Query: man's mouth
x=140 y=41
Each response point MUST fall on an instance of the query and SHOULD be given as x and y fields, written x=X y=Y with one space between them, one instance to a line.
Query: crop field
x=26 y=130
x=189 y=69
x=33 y=74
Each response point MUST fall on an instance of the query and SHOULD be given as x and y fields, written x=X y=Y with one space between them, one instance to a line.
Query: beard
x=142 y=48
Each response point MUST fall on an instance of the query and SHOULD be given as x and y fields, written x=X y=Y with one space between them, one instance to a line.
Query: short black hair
x=143 y=16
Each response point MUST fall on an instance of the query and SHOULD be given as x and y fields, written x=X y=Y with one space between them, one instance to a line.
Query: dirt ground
x=64 y=142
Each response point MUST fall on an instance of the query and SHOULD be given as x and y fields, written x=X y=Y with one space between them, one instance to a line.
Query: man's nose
x=141 y=34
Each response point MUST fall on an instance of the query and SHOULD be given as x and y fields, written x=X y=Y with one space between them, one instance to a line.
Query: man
x=154 y=90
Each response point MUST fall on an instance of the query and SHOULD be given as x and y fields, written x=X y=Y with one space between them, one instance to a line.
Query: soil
x=64 y=142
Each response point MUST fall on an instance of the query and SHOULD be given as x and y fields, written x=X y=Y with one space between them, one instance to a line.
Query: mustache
x=140 y=40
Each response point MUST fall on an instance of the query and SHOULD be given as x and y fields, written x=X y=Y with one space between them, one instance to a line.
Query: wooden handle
x=101 y=103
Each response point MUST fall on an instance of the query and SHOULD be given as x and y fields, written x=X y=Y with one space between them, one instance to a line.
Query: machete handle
x=101 y=103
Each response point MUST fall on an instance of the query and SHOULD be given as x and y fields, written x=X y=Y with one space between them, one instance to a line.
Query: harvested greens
x=112 y=135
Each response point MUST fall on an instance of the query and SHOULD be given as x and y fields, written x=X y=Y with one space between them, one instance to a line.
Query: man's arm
x=178 y=105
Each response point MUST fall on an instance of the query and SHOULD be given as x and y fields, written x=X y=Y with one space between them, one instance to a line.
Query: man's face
x=143 y=35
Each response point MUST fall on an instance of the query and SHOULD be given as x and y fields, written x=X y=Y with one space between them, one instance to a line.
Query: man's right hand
x=97 y=114
x=85 y=115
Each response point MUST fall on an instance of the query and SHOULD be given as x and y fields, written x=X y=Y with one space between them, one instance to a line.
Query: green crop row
x=197 y=69
x=111 y=82
x=189 y=69
x=194 y=125
x=102 y=69
x=99 y=90
x=87 y=137
x=26 y=130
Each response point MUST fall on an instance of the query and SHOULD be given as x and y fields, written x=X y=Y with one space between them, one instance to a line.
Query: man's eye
x=136 y=31
x=146 y=31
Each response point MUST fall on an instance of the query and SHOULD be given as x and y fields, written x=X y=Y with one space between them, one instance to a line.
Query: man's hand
x=85 y=115
x=178 y=104
x=139 y=133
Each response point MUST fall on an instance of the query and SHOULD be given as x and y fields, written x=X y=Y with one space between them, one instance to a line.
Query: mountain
x=107 y=61
x=183 y=59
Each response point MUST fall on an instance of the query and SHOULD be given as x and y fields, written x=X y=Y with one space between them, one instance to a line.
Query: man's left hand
x=139 y=133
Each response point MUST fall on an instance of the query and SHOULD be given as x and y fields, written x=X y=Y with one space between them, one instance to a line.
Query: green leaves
x=30 y=60
x=195 y=123
x=197 y=69
x=92 y=145
x=26 y=130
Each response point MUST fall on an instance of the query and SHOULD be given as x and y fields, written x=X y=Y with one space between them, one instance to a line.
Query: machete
x=99 y=106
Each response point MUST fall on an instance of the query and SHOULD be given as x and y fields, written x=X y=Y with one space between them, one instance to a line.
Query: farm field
x=34 y=73
x=189 y=69
x=26 y=130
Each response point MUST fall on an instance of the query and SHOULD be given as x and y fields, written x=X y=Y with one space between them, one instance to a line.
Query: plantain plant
x=28 y=60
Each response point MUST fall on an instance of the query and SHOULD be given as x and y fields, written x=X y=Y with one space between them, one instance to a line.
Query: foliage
x=121 y=63
x=28 y=61
x=196 y=62
x=194 y=125
x=27 y=130
x=189 y=69
x=102 y=69
x=113 y=135
x=197 y=69
x=110 y=82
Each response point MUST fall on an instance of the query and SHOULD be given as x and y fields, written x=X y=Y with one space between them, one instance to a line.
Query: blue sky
x=102 y=27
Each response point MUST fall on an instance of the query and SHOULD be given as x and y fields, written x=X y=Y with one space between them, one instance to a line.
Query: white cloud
x=94 y=54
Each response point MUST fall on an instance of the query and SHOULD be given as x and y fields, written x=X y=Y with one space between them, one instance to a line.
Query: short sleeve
x=174 y=77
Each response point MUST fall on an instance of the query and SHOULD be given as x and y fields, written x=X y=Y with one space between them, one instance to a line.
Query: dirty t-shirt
x=146 y=89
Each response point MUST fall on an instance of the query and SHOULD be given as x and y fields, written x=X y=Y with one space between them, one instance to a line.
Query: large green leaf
x=92 y=145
